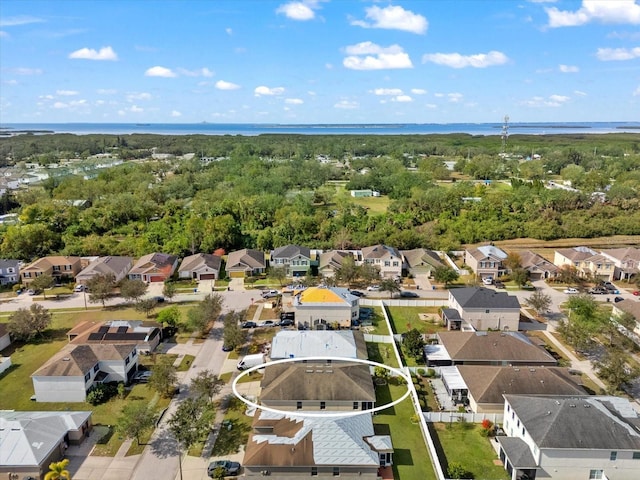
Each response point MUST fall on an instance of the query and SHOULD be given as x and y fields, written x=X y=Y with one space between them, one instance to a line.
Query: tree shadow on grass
x=230 y=441
x=438 y=446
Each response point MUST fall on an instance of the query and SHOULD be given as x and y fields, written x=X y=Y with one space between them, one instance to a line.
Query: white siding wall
x=59 y=389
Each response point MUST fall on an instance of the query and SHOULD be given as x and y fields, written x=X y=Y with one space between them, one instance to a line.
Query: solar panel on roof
x=122 y=329
x=96 y=336
x=103 y=329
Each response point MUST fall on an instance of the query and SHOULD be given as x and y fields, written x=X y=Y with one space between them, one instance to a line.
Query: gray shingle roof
x=290 y=251
x=246 y=258
x=517 y=452
x=477 y=297
x=578 y=422
x=192 y=262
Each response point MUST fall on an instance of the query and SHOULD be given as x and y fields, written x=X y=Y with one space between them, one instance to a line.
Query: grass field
x=404 y=319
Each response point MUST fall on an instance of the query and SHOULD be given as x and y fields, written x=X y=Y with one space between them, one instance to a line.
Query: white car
x=571 y=290
x=373 y=288
x=487 y=280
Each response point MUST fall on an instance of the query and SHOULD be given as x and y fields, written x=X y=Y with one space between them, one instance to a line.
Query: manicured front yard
x=411 y=460
x=404 y=319
x=234 y=432
x=462 y=443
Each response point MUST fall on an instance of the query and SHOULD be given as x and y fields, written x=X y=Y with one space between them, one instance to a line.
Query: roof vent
x=572 y=405
x=532 y=369
x=557 y=402
x=66 y=359
x=586 y=405
x=309 y=371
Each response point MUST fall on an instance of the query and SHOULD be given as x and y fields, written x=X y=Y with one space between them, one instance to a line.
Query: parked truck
x=251 y=361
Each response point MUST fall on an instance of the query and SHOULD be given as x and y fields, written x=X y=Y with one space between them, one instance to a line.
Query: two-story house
x=295 y=259
x=58 y=267
x=587 y=262
x=68 y=375
x=387 y=259
x=486 y=261
x=626 y=261
x=570 y=437
x=421 y=261
x=9 y=271
x=482 y=309
x=321 y=307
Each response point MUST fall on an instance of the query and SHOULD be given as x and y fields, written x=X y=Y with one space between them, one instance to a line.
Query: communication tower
x=505 y=133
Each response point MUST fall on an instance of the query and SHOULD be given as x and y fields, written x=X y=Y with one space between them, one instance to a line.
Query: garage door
x=156 y=278
x=208 y=276
x=236 y=274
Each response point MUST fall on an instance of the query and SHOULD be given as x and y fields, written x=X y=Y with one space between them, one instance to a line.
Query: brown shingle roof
x=78 y=359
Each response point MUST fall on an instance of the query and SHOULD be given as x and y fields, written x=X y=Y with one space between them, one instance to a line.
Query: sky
x=319 y=61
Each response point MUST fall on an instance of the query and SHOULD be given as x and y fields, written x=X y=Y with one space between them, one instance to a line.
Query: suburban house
x=9 y=272
x=332 y=260
x=481 y=309
x=538 y=267
x=69 y=374
x=570 y=437
x=116 y=266
x=318 y=385
x=586 y=261
x=387 y=259
x=154 y=267
x=58 y=267
x=201 y=266
x=626 y=261
x=319 y=307
x=421 y=261
x=627 y=306
x=296 y=260
x=487 y=348
x=482 y=387
x=245 y=263
x=5 y=336
x=318 y=343
x=31 y=441
x=285 y=446
x=144 y=335
x=486 y=261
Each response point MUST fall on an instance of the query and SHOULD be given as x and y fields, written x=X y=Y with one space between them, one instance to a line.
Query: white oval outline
x=299 y=413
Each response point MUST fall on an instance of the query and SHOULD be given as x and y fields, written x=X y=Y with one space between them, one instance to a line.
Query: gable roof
x=335 y=381
x=153 y=261
x=578 y=422
x=246 y=258
x=576 y=254
x=421 y=256
x=318 y=343
x=628 y=306
x=479 y=297
x=531 y=260
x=290 y=251
x=77 y=360
x=46 y=262
x=380 y=251
x=297 y=441
x=487 y=384
x=485 y=251
x=325 y=296
x=199 y=260
x=28 y=438
x=8 y=263
x=493 y=346
x=333 y=259
x=107 y=265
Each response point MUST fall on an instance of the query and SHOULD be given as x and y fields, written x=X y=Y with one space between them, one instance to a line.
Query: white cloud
x=262 y=90
x=201 y=72
x=568 y=68
x=46 y=97
x=609 y=54
x=223 y=85
x=60 y=105
x=454 y=97
x=19 y=20
x=636 y=92
x=25 y=71
x=136 y=109
x=11 y=82
x=347 y=105
x=228 y=31
x=604 y=11
x=175 y=113
x=393 y=17
x=106 y=91
x=66 y=93
x=580 y=93
x=551 y=101
x=158 y=71
x=387 y=91
x=105 y=53
x=402 y=99
x=301 y=11
x=294 y=101
x=369 y=56
x=418 y=91
x=455 y=60
x=138 y=96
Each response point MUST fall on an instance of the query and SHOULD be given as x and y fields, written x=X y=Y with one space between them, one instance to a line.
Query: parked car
x=287 y=315
x=357 y=293
x=230 y=468
x=267 y=323
x=31 y=291
x=287 y=322
x=498 y=284
x=373 y=288
x=598 y=291
x=487 y=280
x=270 y=294
x=226 y=348
x=408 y=294
x=249 y=325
x=571 y=290
x=637 y=293
x=142 y=376
x=79 y=288
x=618 y=299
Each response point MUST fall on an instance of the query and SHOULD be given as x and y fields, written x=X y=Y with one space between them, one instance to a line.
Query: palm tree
x=58 y=471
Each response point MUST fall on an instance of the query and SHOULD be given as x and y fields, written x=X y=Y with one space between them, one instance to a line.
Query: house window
x=355 y=405
x=87 y=377
x=636 y=455
x=487 y=311
x=11 y=270
x=323 y=405
x=127 y=360
x=387 y=263
x=96 y=368
x=26 y=274
x=613 y=455
x=134 y=353
x=596 y=474
x=395 y=264
x=299 y=405
x=518 y=423
x=56 y=268
x=314 y=471
x=336 y=471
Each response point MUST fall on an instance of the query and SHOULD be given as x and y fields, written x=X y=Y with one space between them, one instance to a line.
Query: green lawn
x=372 y=204
x=463 y=444
x=411 y=460
x=231 y=439
x=378 y=323
x=404 y=319
x=382 y=353
x=186 y=363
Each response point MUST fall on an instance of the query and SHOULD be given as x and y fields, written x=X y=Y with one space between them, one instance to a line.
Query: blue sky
x=319 y=61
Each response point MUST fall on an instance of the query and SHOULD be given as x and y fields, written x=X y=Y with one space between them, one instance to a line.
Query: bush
x=456 y=470
x=101 y=393
x=422 y=372
x=431 y=373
